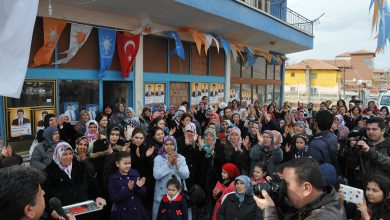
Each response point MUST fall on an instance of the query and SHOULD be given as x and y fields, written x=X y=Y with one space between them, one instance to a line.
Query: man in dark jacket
x=375 y=153
x=323 y=145
x=306 y=193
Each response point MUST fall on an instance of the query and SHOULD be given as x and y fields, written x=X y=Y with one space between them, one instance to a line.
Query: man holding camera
x=374 y=153
x=306 y=192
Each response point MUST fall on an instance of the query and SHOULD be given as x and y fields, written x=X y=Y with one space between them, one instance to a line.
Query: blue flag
x=250 y=56
x=107 y=38
x=179 y=50
x=226 y=46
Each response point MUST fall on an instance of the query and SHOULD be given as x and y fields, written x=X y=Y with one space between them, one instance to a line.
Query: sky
x=345 y=27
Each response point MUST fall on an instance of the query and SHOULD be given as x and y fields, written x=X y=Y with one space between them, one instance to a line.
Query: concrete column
x=227 y=78
x=139 y=78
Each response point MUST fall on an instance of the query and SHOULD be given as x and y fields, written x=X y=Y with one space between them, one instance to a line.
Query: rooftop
x=348 y=54
x=313 y=64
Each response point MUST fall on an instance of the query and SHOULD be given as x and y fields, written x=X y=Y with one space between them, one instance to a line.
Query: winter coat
x=172 y=210
x=327 y=207
x=162 y=172
x=42 y=155
x=231 y=209
x=81 y=187
x=377 y=160
x=270 y=156
x=225 y=189
x=322 y=147
x=126 y=202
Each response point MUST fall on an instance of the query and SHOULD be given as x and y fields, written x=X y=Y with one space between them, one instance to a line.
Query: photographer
x=306 y=193
x=375 y=152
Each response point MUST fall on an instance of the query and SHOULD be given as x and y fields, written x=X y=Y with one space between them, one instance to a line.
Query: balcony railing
x=278 y=10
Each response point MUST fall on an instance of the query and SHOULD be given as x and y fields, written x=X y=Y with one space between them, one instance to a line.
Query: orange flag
x=52 y=31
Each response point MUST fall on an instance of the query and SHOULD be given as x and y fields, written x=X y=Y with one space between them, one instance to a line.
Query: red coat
x=224 y=190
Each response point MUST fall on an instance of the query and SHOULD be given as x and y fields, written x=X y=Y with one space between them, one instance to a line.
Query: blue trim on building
x=163 y=78
x=236 y=12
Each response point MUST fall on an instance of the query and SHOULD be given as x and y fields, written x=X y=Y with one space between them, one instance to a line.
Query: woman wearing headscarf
x=119 y=115
x=92 y=134
x=267 y=151
x=240 y=203
x=43 y=152
x=339 y=128
x=68 y=180
x=80 y=126
x=82 y=155
x=166 y=164
x=236 y=150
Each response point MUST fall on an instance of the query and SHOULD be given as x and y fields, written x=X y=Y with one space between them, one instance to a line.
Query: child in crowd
x=297 y=149
x=226 y=185
x=259 y=174
x=124 y=187
x=173 y=205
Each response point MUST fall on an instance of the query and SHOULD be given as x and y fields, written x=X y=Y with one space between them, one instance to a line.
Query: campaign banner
x=39 y=117
x=196 y=94
x=92 y=110
x=20 y=122
x=71 y=109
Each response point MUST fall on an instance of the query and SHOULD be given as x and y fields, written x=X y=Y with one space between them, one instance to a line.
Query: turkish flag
x=127 y=49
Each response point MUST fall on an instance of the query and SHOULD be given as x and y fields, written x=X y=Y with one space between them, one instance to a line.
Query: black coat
x=79 y=188
x=231 y=209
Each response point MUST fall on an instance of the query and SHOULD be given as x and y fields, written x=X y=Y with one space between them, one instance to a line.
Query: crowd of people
x=239 y=161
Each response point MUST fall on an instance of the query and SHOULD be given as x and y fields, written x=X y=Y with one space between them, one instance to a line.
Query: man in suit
x=214 y=91
x=159 y=91
x=149 y=92
x=196 y=92
x=40 y=122
x=70 y=113
x=20 y=120
x=91 y=113
x=205 y=88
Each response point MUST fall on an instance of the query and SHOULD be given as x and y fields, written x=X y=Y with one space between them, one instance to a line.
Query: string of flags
x=127 y=43
x=381 y=23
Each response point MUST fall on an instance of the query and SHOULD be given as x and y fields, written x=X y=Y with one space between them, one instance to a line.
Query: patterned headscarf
x=167 y=138
x=58 y=152
x=217 y=120
x=91 y=136
x=248 y=184
x=238 y=131
x=341 y=121
x=271 y=136
x=190 y=127
x=207 y=147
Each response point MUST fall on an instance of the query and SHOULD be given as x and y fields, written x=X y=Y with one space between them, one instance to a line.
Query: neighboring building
x=265 y=27
x=312 y=81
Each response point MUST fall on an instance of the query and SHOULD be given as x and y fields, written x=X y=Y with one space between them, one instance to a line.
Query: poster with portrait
x=39 y=116
x=92 y=110
x=20 y=122
x=234 y=94
x=149 y=94
x=159 y=95
x=221 y=90
x=71 y=109
x=205 y=89
x=214 y=94
x=196 y=94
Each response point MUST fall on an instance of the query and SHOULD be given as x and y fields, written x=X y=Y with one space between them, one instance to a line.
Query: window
x=270 y=71
x=261 y=94
x=313 y=90
x=217 y=66
x=235 y=68
x=155 y=54
x=178 y=65
x=313 y=75
x=278 y=72
x=270 y=94
x=277 y=95
x=34 y=93
x=259 y=68
x=246 y=70
x=293 y=74
x=293 y=89
x=199 y=63
x=246 y=93
x=78 y=93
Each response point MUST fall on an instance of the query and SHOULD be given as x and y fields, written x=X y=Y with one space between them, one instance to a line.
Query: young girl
x=226 y=185
x=297 y=149
x=124 y=187
x=173 y=205
x=376 y=204
x=259 y=173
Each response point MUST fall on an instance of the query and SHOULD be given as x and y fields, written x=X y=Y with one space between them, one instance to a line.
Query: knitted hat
x=328 y=174
x=231 y=170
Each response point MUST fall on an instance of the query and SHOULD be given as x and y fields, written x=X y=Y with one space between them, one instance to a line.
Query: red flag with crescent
x=127 y=49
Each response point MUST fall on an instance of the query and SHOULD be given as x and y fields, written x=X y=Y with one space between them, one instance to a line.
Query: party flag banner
x=209 y=41
x=250 y=56
x=53 y=29
x=179 y=50
x=16 y=28
x=79 y=34
x=227 y=46
x=107 y=40
x=127 y=49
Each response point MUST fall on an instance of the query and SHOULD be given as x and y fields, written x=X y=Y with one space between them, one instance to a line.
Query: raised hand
x=246 y=143
x=287 y=148
x=172 y=131
x=150 y=151
x=201 y=142
x=140 y=181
